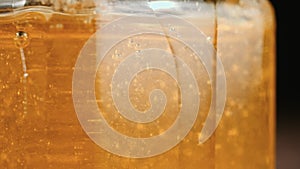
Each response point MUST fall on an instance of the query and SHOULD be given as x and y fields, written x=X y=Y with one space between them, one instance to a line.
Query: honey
x=39 y=123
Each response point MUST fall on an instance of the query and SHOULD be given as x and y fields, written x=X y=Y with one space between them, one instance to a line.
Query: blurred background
x=288 y=126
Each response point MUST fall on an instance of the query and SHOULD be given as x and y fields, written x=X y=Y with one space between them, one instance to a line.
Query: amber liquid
x=38 y=124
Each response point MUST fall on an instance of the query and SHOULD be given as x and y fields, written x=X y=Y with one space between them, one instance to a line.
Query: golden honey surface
x=40 y=129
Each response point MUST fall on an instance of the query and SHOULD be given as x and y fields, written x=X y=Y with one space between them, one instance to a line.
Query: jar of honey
x=123 y=84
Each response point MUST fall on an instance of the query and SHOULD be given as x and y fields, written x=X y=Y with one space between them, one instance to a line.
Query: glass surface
x=39 y=47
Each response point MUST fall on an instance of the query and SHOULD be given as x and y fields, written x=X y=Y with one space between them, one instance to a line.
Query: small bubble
x=60 y=26
x=117 y=145
x=116 y=55
x=235 y=68
x=208 y=38
x=233 y=132
x=130 y=41
x=25 y=75
x=21 y=34
x=21 y=39
x=231 y=102
x=86 y=21
x=172 y=29
x=228 y=113
x=137 y=45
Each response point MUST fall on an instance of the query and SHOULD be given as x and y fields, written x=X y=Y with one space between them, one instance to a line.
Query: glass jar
x=137 y=84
